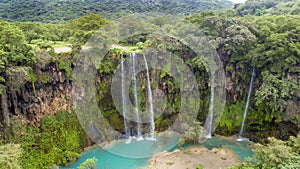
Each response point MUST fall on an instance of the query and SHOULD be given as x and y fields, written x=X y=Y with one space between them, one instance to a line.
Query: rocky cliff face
x=293 y=106
x=237 y=80
x=32 y=102
x=238 y=84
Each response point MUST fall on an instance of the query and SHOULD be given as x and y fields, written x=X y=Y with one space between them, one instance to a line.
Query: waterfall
x=240 y=138
x=211 y=108
x=123 y=97
x=152 y=125
x=139 y=133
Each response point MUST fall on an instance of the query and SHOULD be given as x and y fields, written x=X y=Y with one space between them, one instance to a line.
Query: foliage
x=52 y=11
x=193 y=132
x=88 y=164
x=294 y=142
x=13 y=47
x=43 y=32
x=243 y=166
x=58 y=141
x=278 y=43
x=17 y=76
x=268 y=7
x=276 y=154
x=274 y=92
x=9 y=156
x=66 y=65
x=231 y=118
x=181 y=142
x=16 y=57
x=231 y=36
x=270 y=43
x=199 y=167
x=82 y=28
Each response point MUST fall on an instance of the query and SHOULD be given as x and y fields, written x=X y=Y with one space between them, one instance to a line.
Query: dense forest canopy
x=52 y=11
x=268 y=7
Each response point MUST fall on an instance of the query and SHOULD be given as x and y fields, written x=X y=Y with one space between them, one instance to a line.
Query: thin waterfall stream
x=240 y=138
x=123 y=98
x=211 y=109
x=139 y=133
x=151 y=113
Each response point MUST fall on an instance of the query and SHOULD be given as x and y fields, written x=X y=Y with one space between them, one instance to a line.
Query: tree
x=274 y=93
x=16 y=59
x=276 y=154
x=268 y=7
x=13 y=47
x=53 y=11
x=88 y=164
x=193 y=132
x=9 y=156
x=83 y=27
x=278 y=44
x=230 y=36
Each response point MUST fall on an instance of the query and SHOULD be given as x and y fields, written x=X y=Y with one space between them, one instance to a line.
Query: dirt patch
x=195 y=156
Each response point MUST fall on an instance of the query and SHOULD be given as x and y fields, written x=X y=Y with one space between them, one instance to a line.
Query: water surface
x=136 y=154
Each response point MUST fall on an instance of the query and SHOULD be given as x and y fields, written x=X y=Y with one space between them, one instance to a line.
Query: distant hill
x=268 y=7
x=58 y=11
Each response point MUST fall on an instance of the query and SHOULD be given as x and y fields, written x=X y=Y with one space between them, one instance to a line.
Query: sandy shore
x=192 y=157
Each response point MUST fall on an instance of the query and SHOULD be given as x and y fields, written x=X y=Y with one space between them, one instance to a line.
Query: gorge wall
x=32 y=102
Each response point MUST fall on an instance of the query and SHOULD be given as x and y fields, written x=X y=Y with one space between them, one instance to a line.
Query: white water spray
x=211 y=108
x=240 y=138
x=139 y=133
x=151 y=113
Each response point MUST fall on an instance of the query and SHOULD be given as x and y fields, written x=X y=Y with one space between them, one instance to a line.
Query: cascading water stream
x=123 y=97
x=139 y=133
x=240 y=138
x=211 y=108
x=151 y=113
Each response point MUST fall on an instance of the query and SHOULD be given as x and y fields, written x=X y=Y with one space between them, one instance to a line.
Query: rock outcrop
x=32 y=101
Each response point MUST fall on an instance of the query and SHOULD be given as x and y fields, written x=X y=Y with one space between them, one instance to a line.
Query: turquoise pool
x=241 y=149
x=122 y=155
x=137 y=153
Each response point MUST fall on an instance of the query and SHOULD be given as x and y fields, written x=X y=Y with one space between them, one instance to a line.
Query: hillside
x=268 y=7
x=58 y=11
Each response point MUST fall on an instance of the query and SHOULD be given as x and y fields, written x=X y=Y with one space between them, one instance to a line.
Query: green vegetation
x=9 y=156
x=276 y=154
x=268 y=7
x=268 y=43
x=170 y=163
x=51 y=11
x=25 y=45
x=260 y=34
x=58 y=141
x=192 y=133
x=231 y=119
x=88 y=164
x=199 y=167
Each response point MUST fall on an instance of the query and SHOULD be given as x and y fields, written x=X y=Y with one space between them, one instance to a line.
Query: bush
x=9 y=156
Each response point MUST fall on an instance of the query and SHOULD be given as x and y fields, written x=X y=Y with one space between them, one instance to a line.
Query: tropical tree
x=274 y=93
x=82 y=28
x=193 y=132
x=88 y=164
x=276 y=154
x=9 y=156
